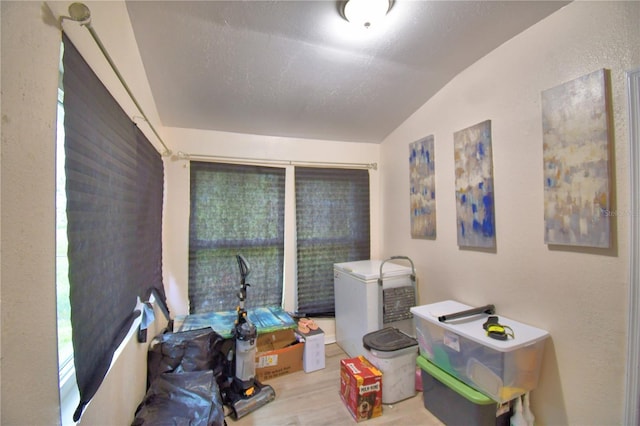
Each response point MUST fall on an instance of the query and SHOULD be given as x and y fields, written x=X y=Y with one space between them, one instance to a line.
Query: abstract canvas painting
x=422 y=188
x=475 y=213
x=576 y=162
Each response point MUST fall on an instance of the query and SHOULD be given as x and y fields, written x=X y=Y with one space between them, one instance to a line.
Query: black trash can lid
x=387 y=340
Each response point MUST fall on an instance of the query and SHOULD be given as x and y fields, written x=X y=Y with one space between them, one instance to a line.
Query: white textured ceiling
x=297 y=68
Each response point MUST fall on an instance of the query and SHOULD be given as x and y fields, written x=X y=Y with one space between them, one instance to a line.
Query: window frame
x=69 y=394
x=290 y=296
x=115 y=196
x=262 y=175
x=349 y=184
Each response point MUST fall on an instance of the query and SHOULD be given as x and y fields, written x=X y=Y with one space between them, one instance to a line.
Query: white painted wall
x=198 y=142
x=578 y=295
x=29 y=365
x=30 y=55
x=29 y=352
x=124 y=386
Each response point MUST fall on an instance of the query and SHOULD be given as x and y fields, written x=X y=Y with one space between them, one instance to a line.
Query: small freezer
x=358 y=300
x=502 y=369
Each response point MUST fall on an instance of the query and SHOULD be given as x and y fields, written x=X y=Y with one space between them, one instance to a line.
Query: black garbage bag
x=185 y=351
x=181 y=399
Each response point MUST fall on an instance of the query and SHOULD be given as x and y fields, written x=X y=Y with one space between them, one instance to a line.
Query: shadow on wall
x=555 y=413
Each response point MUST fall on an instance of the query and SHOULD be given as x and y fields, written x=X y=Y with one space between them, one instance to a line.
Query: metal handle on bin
x=384 y=315
x=487 y=309
x=413 y=269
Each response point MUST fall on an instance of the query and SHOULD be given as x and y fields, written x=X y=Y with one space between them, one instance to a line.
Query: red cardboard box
x=361 y=388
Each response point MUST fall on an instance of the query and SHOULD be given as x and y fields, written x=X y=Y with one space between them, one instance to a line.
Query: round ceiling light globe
x=365 y=13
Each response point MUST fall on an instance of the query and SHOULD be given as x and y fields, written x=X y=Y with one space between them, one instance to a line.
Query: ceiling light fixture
x=365 y=13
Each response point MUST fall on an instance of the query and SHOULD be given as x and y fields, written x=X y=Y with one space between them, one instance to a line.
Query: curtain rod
x=264 y=161
x=80 y=13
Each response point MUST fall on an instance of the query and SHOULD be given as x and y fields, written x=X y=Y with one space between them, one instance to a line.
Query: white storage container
x=313 y=356
x=394 y=354
x=502 y=369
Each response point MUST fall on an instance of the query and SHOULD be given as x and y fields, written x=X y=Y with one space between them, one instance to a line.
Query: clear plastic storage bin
x=502 y=369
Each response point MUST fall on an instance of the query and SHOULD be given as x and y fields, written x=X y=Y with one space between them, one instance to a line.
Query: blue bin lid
x=388 y=339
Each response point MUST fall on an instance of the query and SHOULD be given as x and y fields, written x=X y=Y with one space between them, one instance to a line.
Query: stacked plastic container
x=457 y=357
x=502 y=369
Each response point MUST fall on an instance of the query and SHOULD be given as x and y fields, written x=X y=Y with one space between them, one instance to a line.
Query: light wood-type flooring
x=313 y=399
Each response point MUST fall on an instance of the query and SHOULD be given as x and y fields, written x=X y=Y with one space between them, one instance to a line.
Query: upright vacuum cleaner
x=245 y=394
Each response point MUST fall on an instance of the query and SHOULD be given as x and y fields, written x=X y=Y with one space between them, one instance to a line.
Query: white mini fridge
x=364 y=305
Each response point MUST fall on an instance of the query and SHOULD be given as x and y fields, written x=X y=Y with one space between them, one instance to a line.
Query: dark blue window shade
x=235 y=209
x=114 y=186
x=332 y=221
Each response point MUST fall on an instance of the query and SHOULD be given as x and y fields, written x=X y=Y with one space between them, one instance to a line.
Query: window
x=235 y=209
x=332 y=222
x=114 y=192
x=240 y=209
x=65 y=347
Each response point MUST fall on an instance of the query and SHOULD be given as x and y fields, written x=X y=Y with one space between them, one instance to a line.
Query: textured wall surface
x=29 y=345
x=29 y=365
x=578 y=295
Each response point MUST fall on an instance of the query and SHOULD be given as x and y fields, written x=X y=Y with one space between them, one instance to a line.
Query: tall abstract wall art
x=474 y=186
x=576 y=162
x=422 y=188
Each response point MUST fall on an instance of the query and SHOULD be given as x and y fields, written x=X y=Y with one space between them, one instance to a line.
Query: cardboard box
x=278 y=353
x=313 y=357
x=361 y=388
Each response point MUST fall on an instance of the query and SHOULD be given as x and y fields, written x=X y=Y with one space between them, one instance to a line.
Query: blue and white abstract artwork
x=422 y=186
x=475 y=214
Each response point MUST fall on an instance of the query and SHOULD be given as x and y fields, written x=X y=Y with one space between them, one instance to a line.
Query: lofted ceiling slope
x=298 y=69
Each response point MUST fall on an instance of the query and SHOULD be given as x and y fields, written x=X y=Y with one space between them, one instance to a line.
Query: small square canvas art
x=576 y=162
x=474 y=186
x=422 y=186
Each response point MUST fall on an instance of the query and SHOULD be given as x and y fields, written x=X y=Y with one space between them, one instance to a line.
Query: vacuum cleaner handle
x=245 y=269
x=487 y=309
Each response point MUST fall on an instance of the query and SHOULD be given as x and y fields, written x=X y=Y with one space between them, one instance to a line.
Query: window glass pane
x=65 y=347
x=332 y=222
x=235 y=209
